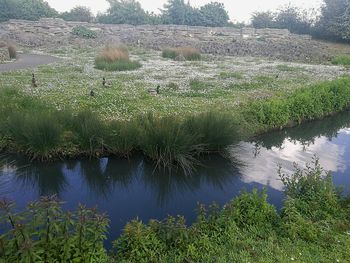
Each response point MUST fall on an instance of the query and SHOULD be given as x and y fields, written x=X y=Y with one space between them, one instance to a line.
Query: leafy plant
x=44 y=233
x=341 y=60
x=83 y=32
x=181 y=53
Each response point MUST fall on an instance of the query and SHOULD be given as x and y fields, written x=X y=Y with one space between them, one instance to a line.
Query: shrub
x=341 y=60
x=44 y=233
x=115 y=59
x=84 y=32
x=186 y=53
x=12 y=51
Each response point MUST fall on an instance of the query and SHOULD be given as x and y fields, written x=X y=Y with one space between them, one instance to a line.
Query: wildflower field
x=186 y=87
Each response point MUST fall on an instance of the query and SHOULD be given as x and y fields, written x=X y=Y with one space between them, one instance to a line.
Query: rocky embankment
x=272 y=43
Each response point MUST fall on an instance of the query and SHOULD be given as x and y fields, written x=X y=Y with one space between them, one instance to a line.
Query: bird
x=92 y=93
x=104 y=82
x=34 y=84
x=158 y=89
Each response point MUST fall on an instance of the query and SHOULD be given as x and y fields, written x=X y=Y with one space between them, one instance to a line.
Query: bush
x=12 y=51
x=115 y=59
x=84 y=32
x=180 y=53
x=44 y=233
x=341 y=60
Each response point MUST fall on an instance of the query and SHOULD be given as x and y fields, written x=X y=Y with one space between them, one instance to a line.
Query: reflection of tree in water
x=103 y=180
x=216 y=171
x=49 y=179
x=305 y=133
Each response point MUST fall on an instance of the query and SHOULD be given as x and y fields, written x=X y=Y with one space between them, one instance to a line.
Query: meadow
x=172 y=111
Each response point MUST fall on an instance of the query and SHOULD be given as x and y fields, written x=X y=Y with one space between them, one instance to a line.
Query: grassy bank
x=313 y=226
x=42 y=132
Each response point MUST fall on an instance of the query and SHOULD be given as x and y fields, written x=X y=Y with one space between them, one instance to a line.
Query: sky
x=238 y=10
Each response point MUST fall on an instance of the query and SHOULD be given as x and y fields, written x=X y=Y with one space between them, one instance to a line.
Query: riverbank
x=42 y=132
x=312 y=226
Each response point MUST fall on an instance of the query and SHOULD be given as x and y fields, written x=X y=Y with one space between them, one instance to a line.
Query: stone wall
x=274 y=43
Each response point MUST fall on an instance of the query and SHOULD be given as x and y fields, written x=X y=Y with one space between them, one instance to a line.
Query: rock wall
x=273 y=43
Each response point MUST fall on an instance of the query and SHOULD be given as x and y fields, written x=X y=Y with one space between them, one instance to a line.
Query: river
x=126 y=189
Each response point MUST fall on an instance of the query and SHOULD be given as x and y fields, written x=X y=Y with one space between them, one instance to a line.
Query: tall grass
x=39 y=134
x=180 y=53
x=167 y=142
x=115 y=59
x=12 y=51
x=90 y=132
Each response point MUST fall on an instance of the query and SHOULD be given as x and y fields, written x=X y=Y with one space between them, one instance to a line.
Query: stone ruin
x=271 y=43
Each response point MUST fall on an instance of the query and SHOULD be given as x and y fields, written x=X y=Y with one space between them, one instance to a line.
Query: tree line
x=332 y=22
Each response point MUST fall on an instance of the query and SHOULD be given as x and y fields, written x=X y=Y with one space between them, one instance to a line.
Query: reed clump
x=115 y=58
x=182 y=53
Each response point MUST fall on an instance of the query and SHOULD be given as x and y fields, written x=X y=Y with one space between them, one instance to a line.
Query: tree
x=78 y=13
x=124 y=12
x=175 y=12
x=334 y=22
x=294 y=19
x=214 y=15
x=263 y=20
x=25 y=9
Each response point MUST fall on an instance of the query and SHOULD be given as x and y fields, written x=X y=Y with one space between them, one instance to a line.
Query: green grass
x=287 y=68
x=341 y=60
x=186 y=53
x=229 y=75
x=120 y=65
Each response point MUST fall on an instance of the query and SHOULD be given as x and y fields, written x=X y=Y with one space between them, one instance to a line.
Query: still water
x=126 y=189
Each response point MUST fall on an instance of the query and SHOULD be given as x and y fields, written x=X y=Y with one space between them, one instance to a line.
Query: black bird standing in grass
x=104 y=82
x=34 y=84
x=158 y=89
x=92 y=93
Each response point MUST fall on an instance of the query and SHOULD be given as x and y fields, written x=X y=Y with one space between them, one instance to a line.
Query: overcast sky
x=238 y=10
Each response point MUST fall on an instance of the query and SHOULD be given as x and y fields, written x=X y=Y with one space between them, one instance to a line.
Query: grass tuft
x=12 y=51
x=115 y=59
x=182 y=53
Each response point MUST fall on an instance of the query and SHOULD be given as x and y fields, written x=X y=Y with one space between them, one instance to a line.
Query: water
x=126 y=189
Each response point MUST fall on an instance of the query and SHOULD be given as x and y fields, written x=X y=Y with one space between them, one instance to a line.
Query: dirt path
x=27 y=61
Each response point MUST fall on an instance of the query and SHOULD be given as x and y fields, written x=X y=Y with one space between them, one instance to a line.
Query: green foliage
x=248 y=229
x=214 y=15
x=25 y=9
x=334 y=22
x=228 y=75
x=90 y=131
x=214 y=130
x=44 y=233
x=182 y=53
x=123 y=12
x=78 y=13
x=264 y=19
x=120 y=65
x=83 y=32
x=168 y=142
x=304 y=104
x=341 y=60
